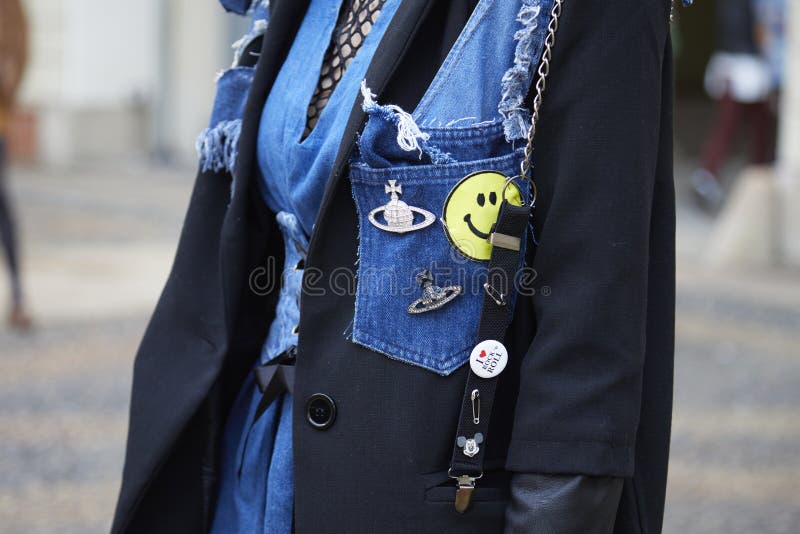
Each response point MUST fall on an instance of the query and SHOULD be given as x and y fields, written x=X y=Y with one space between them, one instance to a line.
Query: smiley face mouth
x=468 y=220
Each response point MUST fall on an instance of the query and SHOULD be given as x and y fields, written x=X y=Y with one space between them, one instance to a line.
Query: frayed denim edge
x=217 y=147
x=409 y=135
x=263 y=4
x=517 y=80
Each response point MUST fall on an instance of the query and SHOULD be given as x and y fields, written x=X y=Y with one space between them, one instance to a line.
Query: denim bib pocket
x=390 y=263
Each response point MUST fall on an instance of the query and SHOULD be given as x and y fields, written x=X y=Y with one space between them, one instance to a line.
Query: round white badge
x=488 y=358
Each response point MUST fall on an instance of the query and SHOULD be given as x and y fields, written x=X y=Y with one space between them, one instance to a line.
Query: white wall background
x=122 y=78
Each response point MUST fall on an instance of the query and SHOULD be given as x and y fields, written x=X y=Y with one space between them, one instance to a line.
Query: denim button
x=320 y=411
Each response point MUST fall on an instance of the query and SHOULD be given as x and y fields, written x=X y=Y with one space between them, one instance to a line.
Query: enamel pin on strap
x=490 y=357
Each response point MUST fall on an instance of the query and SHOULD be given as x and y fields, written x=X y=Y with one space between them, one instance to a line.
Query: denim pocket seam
x=421 y=174
x=440 y=366
x=493 y=129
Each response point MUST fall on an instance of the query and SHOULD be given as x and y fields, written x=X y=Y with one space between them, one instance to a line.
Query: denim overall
x=468 y=120
x=257 y=476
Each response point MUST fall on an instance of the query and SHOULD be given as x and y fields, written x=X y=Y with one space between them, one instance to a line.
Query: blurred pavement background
x=100 y=216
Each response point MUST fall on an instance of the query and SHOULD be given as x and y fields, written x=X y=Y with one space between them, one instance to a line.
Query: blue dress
x=257 y=489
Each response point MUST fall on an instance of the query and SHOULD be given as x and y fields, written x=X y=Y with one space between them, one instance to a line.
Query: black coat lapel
x=283 y=25
x=189 y=335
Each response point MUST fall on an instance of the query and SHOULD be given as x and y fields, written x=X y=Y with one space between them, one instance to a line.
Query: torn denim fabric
x=517 y=80
x=217 y=145
x=408 y=136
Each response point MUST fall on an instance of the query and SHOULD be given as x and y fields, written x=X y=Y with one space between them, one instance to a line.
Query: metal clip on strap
x=466 y=464
x=510 y=242
x=466 y=485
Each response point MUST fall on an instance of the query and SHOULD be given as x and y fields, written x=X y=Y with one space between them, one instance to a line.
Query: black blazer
x=590 y=387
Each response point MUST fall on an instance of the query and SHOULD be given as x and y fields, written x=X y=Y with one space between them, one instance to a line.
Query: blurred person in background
x=743 y=76
x=770 y=18
x=13 y=55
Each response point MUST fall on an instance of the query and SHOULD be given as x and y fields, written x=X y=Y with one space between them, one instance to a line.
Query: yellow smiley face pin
x=472 y=208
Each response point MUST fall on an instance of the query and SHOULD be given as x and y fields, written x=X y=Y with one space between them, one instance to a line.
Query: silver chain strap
x=541 y=85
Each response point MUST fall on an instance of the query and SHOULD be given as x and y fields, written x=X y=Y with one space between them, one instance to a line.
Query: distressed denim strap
x=476 y=407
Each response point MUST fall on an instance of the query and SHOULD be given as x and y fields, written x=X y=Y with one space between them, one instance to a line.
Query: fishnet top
x=355 y=22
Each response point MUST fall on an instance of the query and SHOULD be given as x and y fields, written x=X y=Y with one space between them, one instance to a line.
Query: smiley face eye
x=481 y=199
x=493 y=198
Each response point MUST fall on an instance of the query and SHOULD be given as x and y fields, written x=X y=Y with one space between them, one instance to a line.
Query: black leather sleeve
x=562 y=504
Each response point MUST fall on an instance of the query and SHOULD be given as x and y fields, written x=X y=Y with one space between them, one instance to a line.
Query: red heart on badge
x=482 y=354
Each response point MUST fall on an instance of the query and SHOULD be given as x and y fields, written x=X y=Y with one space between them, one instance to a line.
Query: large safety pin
x=498 y=296
x=476 y=406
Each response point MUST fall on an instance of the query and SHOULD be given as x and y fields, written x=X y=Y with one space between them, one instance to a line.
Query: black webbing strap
x=476 y=407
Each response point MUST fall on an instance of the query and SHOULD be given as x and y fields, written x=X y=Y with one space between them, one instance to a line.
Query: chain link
x=541 y=84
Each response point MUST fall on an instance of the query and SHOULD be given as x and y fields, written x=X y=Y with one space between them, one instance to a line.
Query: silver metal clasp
x=506 y=241
x=465 y=486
